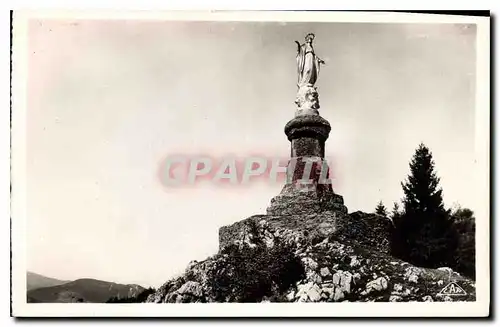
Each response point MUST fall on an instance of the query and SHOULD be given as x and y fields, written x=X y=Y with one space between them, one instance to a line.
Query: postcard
x=250 y=164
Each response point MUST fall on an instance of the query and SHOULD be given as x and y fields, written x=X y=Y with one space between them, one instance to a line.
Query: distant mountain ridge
x=80 y=290
x=34 y=281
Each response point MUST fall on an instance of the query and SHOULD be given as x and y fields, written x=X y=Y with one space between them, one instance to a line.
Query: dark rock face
x=342 y=258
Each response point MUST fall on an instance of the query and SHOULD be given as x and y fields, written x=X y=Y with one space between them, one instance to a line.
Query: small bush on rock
x=250 y=274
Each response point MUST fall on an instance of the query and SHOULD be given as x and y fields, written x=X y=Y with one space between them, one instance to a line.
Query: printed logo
x=452 y=289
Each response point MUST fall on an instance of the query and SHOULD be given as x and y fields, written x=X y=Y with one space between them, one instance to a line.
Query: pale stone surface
x=342 y=281
x=307 y=99
x=310 y=263
x=354 y=261
x=309 y=292
x=398 y=287
x=338 y=294
x=191 y=264
x=377 y=285
x=191 y=288
x=324 y=272
x=314 y=277
x=412 y=274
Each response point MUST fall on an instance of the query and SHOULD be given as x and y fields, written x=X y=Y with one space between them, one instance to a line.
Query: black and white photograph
x=168 y=164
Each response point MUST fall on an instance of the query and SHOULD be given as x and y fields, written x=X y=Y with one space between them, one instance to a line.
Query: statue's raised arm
x=298 y=46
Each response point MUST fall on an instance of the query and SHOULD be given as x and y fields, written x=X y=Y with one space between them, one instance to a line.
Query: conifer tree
x=395 y=211
x=424 y=232
x=380 y=209
x=422 y=195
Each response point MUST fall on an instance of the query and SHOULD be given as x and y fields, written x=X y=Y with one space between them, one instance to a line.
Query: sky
x=108 y=101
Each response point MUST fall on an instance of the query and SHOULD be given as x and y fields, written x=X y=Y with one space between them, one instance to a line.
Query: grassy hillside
x=83 y=290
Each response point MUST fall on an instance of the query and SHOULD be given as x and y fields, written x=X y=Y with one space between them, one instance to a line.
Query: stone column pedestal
x=307 y=189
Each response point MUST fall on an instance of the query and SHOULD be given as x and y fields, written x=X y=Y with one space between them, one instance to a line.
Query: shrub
x=248 y=274
x=465 y=259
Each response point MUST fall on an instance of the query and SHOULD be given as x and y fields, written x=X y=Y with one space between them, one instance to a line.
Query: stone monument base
x=307 y=135
x=294 y=200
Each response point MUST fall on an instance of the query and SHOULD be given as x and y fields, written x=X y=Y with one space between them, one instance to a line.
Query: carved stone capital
x=307 y=100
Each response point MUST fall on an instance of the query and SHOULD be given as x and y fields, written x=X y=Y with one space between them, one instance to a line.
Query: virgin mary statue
x=308 y=63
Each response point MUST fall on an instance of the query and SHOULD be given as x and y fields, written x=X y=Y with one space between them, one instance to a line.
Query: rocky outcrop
x=327 y=257
x=360 y=228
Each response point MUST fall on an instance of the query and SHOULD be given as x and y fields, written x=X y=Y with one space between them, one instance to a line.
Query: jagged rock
x=155 y=298
x=354 y=261
x=412 y=274
x=191 y=264
x=398 y=287
x=336 y=266
x=191 y=288
x=377 y=285
x=314 y=277
x=341 y=281
x=309 y=292
x=324 y=272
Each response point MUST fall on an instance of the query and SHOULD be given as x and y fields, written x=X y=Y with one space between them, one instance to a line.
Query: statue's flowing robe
x=307 y=65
